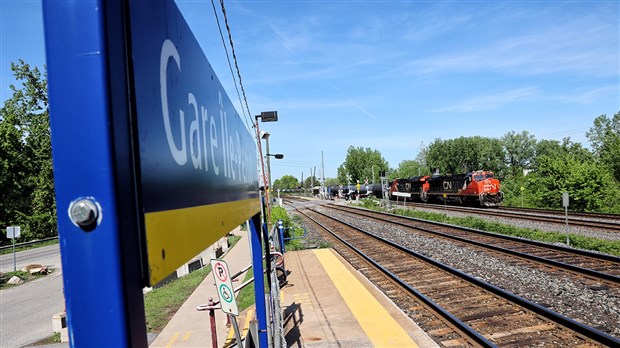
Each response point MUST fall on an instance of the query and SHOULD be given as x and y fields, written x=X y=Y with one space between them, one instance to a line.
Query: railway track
x=577 y=214
x=455 y=309
x=605 y=222
x=594 y=267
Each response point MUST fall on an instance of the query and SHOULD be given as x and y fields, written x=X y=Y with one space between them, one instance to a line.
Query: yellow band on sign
x=175 y=236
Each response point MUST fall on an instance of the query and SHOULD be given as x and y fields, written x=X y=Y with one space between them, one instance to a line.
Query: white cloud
x=593 y=95
x=489 y=102
x=583 y=47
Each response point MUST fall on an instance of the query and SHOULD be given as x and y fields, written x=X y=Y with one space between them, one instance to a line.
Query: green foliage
x=605 y=139
x=279 y=213
x=409 y=168
x=331 y=182
x=370 y=203
x=291 y=225
x=247 y=296
x=360 y=164
x=577 y=241
x=286 y=182
x=54 y=339
x=570 y=168
x=519 y=149
x=312 y=181
x=466 y=154
x=514 y=196
x=162 y=303
x=25 y=276
x=26 y=179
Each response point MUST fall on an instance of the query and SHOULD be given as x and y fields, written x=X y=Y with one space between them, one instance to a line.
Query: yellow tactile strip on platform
x=382 y=330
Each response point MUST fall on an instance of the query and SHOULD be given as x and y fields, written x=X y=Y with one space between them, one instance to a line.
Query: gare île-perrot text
x=205 y=132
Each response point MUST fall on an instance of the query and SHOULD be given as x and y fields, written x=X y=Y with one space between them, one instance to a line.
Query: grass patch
x=294 y=232
x=162 y=303
x=38 y=245
x=247 y=295
x=577 y=241
x=25 y=276
x=53 y=339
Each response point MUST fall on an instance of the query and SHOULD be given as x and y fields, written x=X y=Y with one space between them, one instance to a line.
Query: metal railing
x=25 y=244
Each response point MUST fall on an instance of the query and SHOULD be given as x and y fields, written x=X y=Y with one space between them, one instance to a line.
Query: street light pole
x=266 y=137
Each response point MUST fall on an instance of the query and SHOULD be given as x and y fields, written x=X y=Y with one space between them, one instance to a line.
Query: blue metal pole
x=281 y=229
x=259 y=280
x=98 y=219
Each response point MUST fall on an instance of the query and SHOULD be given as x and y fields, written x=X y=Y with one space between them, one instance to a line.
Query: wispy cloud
x=435 y=24
x=590 y=96
x=489 y=102
x=359 y=107
x=587 y=48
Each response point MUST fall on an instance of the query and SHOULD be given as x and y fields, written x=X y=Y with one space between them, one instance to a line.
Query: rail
x=569 y=323
x=25 y=244
x=394 y=219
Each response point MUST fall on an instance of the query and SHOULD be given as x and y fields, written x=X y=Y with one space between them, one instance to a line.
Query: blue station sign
x=197 y=160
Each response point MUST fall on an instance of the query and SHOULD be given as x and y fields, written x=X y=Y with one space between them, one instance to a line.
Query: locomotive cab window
x=478 y=177
x=489 y=175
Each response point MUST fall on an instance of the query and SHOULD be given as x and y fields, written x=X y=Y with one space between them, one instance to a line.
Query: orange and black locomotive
x=473 y=188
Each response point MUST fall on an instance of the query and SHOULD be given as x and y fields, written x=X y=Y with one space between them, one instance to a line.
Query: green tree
x=519 y=149
x=286 y=182
x=331 y=182
x=312 y=180
x=556 y=149
x=466 y=154
x=26 y=158
x=590 y=188
x=360 y=164
x=569 y=167
x=409 y=168
x=605 y=139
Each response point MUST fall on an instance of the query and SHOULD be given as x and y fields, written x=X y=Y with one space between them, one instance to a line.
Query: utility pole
x=324 y=188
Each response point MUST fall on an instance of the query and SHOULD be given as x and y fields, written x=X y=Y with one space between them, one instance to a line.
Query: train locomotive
x=474 y=188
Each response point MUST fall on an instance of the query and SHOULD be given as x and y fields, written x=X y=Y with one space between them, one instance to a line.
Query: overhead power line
x=232 y=48
x=219 y=27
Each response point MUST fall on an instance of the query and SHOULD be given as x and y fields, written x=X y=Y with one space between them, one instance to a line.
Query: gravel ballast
x=572 y=298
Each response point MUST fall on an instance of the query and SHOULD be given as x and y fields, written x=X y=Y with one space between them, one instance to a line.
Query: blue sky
x=391 y=75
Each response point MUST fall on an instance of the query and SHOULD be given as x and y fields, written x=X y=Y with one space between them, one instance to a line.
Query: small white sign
x=223 y=284
x=13 y=232
x=401 y=194
x=565 y=199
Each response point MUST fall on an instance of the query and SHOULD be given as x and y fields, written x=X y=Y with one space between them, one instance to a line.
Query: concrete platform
x=327 y=303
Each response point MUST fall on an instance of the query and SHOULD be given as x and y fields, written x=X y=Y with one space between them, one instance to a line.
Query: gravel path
x=597 y=308
x=541 y=226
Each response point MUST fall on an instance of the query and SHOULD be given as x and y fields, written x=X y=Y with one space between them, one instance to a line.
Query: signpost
x=13 y=233
x=565 y=203
x=226 y=294
x=224 y=286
